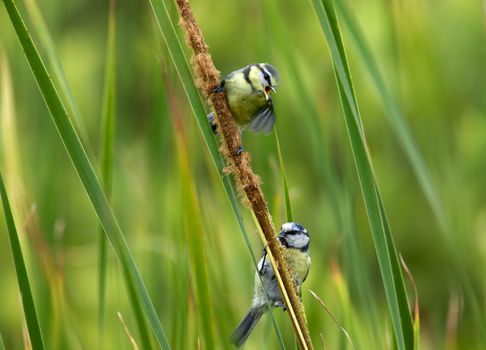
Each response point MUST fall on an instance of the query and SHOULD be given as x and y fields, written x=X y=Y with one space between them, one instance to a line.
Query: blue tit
x=295 y=243
x=248 y=91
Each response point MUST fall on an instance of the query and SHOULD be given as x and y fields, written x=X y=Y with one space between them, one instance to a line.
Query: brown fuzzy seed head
x=207 y=77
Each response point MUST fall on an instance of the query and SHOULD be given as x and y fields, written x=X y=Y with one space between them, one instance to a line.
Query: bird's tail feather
x=241 y=333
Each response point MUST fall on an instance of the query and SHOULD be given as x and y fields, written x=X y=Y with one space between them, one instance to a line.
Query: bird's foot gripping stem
x=219 y=88
x=214 y=126
x=240 y=150
x=281 y=304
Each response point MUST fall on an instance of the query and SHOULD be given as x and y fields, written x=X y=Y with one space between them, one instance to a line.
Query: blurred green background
x=432 y=55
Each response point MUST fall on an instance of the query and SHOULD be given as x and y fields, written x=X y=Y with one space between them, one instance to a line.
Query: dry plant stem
x=207 y=78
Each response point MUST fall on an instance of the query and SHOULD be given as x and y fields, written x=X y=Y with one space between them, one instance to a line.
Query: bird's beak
x=268 y=90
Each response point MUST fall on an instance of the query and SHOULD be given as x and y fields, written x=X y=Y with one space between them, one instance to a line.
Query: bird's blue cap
x=292 y=227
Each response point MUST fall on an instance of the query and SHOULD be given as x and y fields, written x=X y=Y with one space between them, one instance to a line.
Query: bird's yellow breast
x=298 y=263
x=243 y=99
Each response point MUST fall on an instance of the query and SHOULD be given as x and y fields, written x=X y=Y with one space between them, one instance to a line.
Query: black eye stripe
x=271 y=70
x=284 y=243
x=287 y=245
x=295 y=232
x=246 y=75
x=266 y=76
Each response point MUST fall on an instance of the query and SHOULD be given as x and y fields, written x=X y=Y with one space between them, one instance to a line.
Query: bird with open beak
x=248 y=92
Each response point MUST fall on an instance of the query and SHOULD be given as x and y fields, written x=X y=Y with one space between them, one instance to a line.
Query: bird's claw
x=219 y=88
x=239 y=151
x=281 y=304
x=213 y=124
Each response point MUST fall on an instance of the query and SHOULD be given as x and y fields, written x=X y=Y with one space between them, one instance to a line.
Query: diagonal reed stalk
x=168 y=31
x=33 y=327
x=142 y=302
x=380 y=229
x=207 y=78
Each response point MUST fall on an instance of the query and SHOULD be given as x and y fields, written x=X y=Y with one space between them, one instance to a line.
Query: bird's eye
x=266 y=76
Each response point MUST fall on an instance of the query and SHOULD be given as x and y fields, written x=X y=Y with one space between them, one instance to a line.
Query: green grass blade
x=107 y=154
x=416 y=306
x=384 y=246
x=288 y=207
x=402 y=131
x=30 y=313
x=139 y=317
x=196 y=246
x=337 y=191
x=400 y=290
x=303 y=100
x=174 y=46
x=395 y=293
x=337 y=52
x=416 y=333
x=394 y=115
x=2 y=345
x=86 y=173
x=59 y=75
x=9 y=145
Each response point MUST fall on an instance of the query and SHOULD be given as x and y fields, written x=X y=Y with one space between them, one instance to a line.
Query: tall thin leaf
x=288 y=207
x=394 y=115
x=45 y=38
x=106 y=160
x=9 y=145
x=384 y=246
x=196 y=246
x=86 y=173
x=303 y=101
x=337 y=191
x=30 y=313
x=402 y=131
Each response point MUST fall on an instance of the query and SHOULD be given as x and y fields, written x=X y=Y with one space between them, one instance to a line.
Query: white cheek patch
x=297 y=241
x=255 y=76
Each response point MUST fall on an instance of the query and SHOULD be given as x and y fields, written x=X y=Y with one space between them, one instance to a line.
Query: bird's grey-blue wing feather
x=264 y=266
x=264 y=120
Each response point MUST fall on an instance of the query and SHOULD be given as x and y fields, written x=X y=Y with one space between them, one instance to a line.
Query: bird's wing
x=264 y=120
x=308 y=268
x=264 y=266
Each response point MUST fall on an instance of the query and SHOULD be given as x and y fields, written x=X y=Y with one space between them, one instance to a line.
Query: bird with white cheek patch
x=295 y=243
